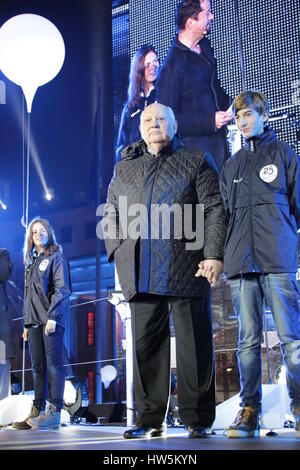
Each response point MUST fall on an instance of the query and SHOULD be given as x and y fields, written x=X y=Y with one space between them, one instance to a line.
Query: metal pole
x=129 y=371
x=101 y=315
x=27 y=173
x=129 y=355
x=26 y=227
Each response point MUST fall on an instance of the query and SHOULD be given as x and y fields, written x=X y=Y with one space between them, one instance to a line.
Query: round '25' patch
x=43 y=265
x=268 y=173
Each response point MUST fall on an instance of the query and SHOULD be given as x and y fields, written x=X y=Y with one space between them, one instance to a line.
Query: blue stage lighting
x=49 y=194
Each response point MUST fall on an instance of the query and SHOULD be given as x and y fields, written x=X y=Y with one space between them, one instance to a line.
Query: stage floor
x=109 y=438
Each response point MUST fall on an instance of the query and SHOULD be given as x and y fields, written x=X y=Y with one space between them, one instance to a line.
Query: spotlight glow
x=4 y=206
x=33 y=147
x=48 y=194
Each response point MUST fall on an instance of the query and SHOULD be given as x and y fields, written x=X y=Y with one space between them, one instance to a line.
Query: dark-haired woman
x=46 y=300
x=141 y=92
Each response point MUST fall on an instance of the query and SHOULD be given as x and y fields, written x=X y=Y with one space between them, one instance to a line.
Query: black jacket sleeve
x=6 y=323
x=60 y=288
x=123 y=137
x=293 y=183
x=223 y=190
x=215 y=220
x=5 y=265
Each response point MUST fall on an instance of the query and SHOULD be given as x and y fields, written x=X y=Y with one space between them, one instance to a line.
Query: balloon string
x=27 y=174
x=23 y=153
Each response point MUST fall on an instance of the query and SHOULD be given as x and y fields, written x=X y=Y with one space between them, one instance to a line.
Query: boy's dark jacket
x=260 y=186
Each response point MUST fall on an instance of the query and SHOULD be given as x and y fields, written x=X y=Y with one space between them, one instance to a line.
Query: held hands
x=222 y=118
x=211 y=269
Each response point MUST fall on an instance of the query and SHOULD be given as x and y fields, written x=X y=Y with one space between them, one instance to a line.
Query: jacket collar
x=203 y=43
x=257 y=143
x=171 y=147
x=35 y=254
x=142 y=93
x=139 y=148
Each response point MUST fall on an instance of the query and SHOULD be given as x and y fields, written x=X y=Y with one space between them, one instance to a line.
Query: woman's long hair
x=29 y=246
x=137 y=75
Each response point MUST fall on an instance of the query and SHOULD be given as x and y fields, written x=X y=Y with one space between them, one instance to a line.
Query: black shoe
x=144 y=431
x=196 y=431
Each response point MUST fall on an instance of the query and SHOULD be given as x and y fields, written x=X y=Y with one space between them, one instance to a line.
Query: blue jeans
x=281 y=293
x=47 y=365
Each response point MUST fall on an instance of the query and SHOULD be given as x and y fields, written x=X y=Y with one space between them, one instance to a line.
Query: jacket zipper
x=251 y=220
x=149 y=219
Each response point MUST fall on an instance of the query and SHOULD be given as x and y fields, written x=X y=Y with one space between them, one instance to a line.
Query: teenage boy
x=260 y=186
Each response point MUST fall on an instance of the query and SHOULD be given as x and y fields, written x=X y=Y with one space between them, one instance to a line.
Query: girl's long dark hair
x=137 y=75
x=29 y=246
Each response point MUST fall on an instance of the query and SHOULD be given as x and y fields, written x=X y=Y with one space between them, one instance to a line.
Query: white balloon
x=32 y=52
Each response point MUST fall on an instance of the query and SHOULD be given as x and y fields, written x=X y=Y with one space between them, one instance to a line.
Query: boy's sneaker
x=296 y=413
x=246 y=424
x=34 y=413
x=48 y=420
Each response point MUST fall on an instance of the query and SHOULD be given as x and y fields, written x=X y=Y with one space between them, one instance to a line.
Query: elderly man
x=157 y=263
x=188 y=83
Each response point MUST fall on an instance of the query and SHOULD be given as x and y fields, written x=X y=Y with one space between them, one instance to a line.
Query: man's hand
x=211 y=269
x=222 y=118
x=25 y=334
x=50 y=327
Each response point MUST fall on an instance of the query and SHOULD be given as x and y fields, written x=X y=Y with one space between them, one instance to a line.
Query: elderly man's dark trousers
x=194 y=358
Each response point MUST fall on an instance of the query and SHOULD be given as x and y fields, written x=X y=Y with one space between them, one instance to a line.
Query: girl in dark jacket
x=141 y=92
x=46 y=300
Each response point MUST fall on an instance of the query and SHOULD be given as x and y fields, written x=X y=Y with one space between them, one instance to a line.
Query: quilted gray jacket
x=162 y=265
